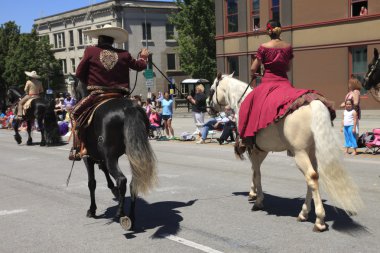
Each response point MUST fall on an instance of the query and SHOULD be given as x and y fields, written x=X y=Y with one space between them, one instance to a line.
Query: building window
x=233 y=65
x=80 y=36
x=84 y=39
x=44 y=38
x=232 y=16
x=169 y=32
x=147 y=32
x=255 y=15
x=359 y=8
x=72 y=65
x=275 y=10
x=71 y=35
x=171 y=61
x=59 y=40
x=64 y=66
x=359 y=64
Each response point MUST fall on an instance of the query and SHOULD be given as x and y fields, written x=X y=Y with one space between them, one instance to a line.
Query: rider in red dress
x=275 y=96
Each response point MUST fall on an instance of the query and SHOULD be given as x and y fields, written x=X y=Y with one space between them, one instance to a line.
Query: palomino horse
x=118 y=127
x=372 y=78
x=41 y=110
x=308 y=135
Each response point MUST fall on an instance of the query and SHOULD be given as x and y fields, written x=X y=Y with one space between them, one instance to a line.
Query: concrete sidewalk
x=183 y=122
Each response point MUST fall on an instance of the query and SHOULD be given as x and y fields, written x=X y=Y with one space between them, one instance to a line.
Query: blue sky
x=24 y=12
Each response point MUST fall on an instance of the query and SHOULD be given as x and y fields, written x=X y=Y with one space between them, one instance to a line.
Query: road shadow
x=279 y=206
x=161 y=215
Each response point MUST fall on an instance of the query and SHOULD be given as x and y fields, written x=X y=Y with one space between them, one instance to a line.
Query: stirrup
x=74 y=155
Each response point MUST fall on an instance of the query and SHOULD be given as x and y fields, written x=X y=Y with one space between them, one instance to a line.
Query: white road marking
x=192 y=244
x=6 y=212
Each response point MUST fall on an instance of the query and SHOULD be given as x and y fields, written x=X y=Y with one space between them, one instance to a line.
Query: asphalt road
x=200 y=204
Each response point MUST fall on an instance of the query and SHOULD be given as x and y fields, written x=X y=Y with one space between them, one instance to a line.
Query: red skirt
x=270 y=101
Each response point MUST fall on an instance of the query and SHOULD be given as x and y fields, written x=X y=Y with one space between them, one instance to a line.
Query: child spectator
x=349 y=121
x=154 y=120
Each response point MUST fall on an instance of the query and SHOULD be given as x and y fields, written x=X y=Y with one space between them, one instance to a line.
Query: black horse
x=372 y=78
x=41 y=110
x=119 y=126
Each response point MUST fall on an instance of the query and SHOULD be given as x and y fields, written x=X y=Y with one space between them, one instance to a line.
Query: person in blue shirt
x=167 y=115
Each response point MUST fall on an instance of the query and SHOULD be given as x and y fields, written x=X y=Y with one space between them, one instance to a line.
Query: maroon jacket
x=107 y=66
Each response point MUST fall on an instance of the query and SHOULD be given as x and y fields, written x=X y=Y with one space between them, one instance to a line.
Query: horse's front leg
x=17 y=135
x=91 y=185
x=29 y=130
x=42 y=130
x=110 y=183
x=121 y=182
x=257 y=157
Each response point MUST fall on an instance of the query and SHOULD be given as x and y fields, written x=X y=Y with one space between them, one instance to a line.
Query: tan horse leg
x=257 y=157
x=311 y=176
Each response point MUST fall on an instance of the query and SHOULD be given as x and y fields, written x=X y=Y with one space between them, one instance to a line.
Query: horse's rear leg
x=29 y=130
x=133 y=204
x=257 y=157
x=306 y=207
x=121 y=182
x=311 y=176
x=110 y=183
x=91 y=185
x=42 y=130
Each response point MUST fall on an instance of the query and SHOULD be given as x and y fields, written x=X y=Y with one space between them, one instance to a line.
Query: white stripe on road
x=192 y=244
x=5 y=212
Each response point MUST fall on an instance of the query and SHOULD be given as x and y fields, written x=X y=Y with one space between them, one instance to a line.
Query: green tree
x=8 y=32
x=26 y=52
x=195 y=23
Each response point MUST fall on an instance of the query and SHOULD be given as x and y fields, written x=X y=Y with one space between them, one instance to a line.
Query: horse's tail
x=139 y=151
x=51 y=127
x=334 y=178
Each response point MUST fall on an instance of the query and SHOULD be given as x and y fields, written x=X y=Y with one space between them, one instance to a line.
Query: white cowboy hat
x=32 y=74
x=118 y=34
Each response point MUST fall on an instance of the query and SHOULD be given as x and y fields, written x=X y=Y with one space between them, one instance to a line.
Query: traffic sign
x=149 y=83
x=148 y=73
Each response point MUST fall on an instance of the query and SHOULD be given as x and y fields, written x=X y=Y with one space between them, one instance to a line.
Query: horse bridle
x=242 y=95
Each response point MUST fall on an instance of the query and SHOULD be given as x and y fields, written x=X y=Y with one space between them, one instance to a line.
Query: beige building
x=147 y=25
x=332 y=40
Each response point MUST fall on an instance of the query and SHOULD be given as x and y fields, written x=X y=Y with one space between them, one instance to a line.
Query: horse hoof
x=42 y=144
x=301 y=218
x=29 y=143
x=257 y=207
x=251 y=198
x=90 y=214
x=125 y=223
x=18 y=139
x=320 y=228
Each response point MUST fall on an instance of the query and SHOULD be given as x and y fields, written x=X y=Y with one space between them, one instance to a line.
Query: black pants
x=228 y=131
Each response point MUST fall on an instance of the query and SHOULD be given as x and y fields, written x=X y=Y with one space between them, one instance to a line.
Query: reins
x=241 y=97
x=249 y=84
x=167 y=79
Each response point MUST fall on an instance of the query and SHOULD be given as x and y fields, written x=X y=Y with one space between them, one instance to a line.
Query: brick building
x=332 y=40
